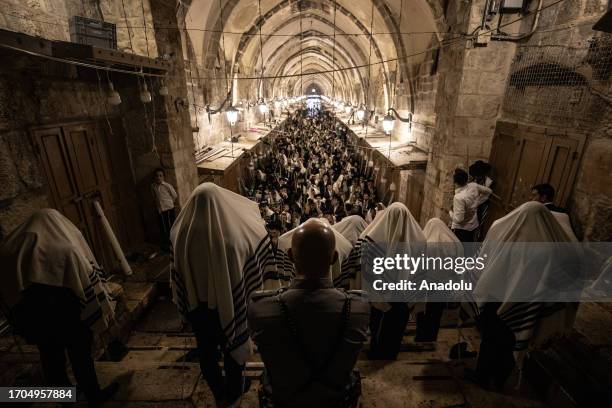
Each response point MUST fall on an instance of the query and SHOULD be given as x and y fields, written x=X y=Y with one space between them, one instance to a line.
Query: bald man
x=310 y=334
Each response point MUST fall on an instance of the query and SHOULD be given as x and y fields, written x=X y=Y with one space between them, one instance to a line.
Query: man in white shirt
x=165 y=201
x=468 y=196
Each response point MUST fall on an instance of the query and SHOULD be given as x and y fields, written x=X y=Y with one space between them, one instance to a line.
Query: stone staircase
x=158 y=366
x=577 y=371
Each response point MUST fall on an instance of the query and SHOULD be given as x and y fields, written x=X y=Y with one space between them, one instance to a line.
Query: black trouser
x=166 y=219
x=464 y=235
x=211 y=343
x=428 y=322
x=53 y=361
x=49 y=317
x=495 y=357
x=388 y=331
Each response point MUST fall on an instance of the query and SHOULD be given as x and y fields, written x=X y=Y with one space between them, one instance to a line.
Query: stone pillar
x=175 y=144
x=470 y=89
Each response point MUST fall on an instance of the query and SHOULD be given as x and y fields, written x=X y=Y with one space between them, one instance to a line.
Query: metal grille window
x=567 y=85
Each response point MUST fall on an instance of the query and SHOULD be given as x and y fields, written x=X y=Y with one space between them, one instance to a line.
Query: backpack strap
x=318 y=371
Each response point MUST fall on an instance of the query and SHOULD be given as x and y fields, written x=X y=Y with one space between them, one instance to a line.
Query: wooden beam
x=23 y=42
x=80 y=52
x=124 y=60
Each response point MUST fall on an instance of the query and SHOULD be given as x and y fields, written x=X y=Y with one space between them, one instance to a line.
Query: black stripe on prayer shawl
x=273 y=275
x=236 y=329
x=181 y=293
x=284 y=264
x=179 y=285
x=521 y=318
x=93 y=317
x=352 y=264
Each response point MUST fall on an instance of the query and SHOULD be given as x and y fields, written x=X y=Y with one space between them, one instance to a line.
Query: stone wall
x=472 y=94
x=49 y=19
x=36 y=92
x=420 y=98
x=470 y=89
x=569 y=102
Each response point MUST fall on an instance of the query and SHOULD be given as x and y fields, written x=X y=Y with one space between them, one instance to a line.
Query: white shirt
x=165 y=195
x=465 y=203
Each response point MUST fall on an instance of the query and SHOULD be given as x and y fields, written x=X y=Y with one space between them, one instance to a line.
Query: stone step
x=575 y=371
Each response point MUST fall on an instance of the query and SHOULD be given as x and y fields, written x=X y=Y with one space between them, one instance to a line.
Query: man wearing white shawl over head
x=394 y=228
x=221 y=248
x=54 y=295
x=351 y=227
x=510 y=328
x=441 y=243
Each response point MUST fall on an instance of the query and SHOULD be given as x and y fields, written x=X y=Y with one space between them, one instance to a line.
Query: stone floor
x=158 y=367
x=158 y=371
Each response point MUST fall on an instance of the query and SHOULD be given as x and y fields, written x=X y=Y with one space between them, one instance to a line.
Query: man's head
x=274 y=230
x=313 y=249
x=543 y=193
x=159 y=175
x=460 y=177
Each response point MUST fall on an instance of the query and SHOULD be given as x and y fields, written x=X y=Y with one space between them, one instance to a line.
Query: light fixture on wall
x=163 y=89
x=145 y=95
x=371 y=163
x=113 y=96
x=388 y=123
x=263 y=107
x=389 y=120
x=360 y=113
x=392 y=186
x=232 y=115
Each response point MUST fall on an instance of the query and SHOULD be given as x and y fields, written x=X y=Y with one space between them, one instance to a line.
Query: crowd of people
x=310 y=169
x=321 y=208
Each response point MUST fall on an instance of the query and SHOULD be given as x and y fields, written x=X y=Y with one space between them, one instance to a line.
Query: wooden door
x=65 y=196
x=562 y=164
x=123 y=204
x=523 y=156
x=77 y=161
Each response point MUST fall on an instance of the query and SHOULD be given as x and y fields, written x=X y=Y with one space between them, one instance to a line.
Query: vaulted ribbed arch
x=366 y=42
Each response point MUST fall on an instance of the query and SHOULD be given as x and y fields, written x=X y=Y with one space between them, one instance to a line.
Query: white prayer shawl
x=564 y=220
x=343 y=246
x=443 y=243
x=351 y=227
x=221 y=251
x=48 y=249
x=392 y=226
x=602 y=286
x=533 y=323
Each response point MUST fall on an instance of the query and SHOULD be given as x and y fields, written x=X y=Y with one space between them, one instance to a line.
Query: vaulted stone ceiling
x=302 y=41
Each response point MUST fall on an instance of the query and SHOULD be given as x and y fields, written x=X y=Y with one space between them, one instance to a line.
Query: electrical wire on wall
x=144 y=79
x=333 y=94
x=367 y=95
x=228 y=90
x=443 y=44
